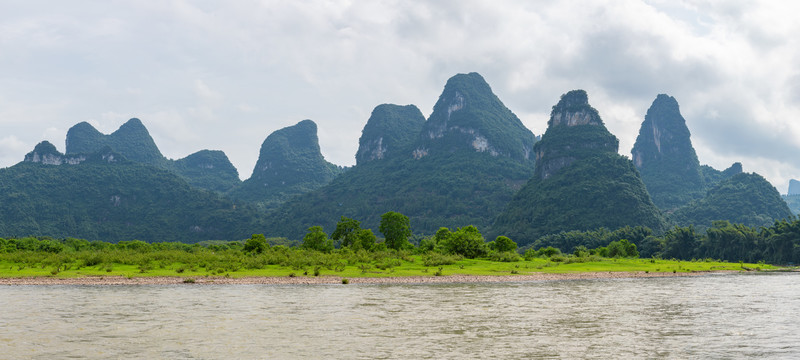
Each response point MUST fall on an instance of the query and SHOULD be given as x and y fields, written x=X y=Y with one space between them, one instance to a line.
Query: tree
x=256 y=244
x=503 y=244
x=466 y=241
x=622 y=248
x=364 y=239
x=396 y=229
x=346 y=231
x=317 y=239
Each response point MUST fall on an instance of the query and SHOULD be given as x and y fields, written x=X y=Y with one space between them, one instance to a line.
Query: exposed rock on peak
x=575 y=131
x=47 y=154
x=573 y=109
x=664 y=155
x=389 y=130
x=468 y=116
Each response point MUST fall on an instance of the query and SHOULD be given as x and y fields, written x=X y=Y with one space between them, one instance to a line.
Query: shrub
x=506 y=256
x=256 y=244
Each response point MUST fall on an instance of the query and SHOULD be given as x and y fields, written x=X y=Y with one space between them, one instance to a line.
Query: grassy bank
x=404 y=265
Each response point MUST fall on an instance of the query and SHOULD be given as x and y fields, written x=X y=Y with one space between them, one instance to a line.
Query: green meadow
x=294 y=262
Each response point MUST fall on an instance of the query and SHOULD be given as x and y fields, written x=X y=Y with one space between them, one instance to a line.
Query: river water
x=716 y=316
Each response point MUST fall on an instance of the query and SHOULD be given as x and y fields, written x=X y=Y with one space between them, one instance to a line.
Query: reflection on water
x=732 y=316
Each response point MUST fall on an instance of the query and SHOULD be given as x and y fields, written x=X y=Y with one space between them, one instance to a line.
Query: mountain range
x=471 y=162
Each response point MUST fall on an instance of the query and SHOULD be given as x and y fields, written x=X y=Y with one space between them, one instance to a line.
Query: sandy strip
x=300 y=280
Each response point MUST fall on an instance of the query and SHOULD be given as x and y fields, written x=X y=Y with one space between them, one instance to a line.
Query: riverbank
x=303 y=280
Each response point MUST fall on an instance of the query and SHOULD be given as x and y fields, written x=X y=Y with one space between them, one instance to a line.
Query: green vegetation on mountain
x=208 y=169
x=664 y=155
x=744 y=198
x=290 y=163
x=205 y=169
x=580 y=181
x=712 y=177
x=454 y=174
x=469 y=116
x=132 y=140
x=105 y=197
x=389 y=132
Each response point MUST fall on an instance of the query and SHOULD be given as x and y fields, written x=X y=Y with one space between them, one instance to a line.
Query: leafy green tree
x=466 y=241
x=363 y=239
x=256 y=244
x=346 y=231
x=396 y=229
x=503 y=244
x=317 y=239
x=622 y=248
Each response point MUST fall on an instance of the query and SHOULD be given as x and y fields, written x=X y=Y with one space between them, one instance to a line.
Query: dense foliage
x=450 y=190
x=290 y=163
x=468 y=113
x=205 y=169
x=113 y=201
x=389 y=132
x=664 y=155
x=743 y=199
x=776 y=244
x=599 y=191
x=449 y=183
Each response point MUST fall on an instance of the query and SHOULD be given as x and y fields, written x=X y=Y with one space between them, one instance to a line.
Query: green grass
x=402 y=266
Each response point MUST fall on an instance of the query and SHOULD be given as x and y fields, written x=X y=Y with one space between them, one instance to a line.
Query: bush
x=256 y=244
x=506 y=256
x=503 y=244
x=466 y=241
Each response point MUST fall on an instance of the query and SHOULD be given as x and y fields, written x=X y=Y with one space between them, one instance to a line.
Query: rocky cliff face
x=390 y=130
x=47 y=154
x=468 y=116
x=664 y=155
x=574 y=132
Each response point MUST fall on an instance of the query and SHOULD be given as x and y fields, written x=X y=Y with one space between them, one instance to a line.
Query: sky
x=223 y=75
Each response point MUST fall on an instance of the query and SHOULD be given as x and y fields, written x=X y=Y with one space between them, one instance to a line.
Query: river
x=716 y=316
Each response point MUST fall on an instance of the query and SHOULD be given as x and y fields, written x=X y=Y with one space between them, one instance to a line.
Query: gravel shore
x=121 y=280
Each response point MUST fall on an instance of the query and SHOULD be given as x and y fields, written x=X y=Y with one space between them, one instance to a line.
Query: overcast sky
x=225 y=74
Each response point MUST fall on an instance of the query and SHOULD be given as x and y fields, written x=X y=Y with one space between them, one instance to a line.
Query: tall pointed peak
x=469 y=117
x=389 y=130
x=573 y=109
x=664 y=155
x=575 y=131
